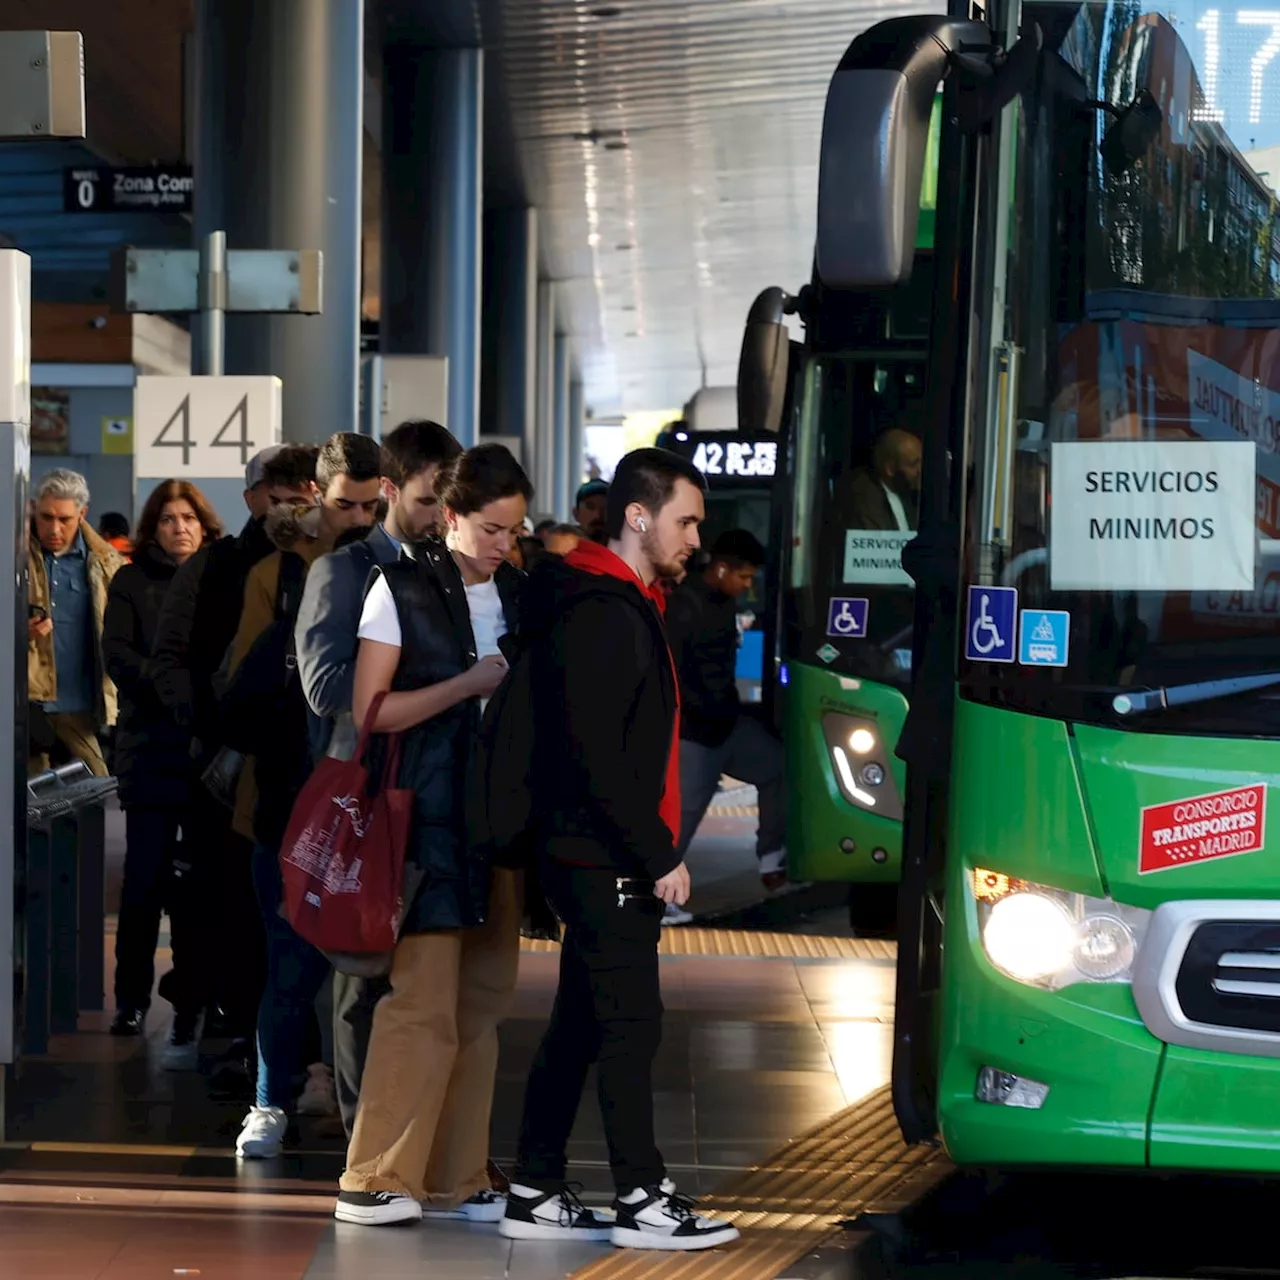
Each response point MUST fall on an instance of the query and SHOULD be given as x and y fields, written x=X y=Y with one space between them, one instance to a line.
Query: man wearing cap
x=589 y=510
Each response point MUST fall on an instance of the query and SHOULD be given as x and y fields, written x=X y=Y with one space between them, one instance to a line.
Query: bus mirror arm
x=991 y=82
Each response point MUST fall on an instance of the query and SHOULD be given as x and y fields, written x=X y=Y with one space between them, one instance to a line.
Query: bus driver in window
x=885 y=494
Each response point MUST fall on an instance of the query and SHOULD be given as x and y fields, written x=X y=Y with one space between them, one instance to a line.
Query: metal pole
x=372 y=424
x=213 y=301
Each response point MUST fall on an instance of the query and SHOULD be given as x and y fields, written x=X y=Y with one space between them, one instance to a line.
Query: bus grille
x=1230 y=975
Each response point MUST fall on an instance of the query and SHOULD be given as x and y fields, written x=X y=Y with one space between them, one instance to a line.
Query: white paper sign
x=207 y=427
x=875 y=555
x=1152 y=516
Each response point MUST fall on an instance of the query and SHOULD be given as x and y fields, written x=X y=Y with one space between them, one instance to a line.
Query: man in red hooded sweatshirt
x=606 y=786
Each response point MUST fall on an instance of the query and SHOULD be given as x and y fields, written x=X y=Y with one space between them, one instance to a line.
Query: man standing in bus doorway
x=589 y=510
x=604 y=739
x=716 y=738
x=886 y=494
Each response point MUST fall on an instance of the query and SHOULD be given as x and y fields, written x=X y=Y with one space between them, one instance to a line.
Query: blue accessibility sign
x=1044 y=637
x=847 y=618
x=990 y=630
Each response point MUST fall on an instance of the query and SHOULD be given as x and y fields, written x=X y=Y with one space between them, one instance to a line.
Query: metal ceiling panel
x=671 y=149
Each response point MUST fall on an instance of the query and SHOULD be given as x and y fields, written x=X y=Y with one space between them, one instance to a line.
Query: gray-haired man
x=69 y=569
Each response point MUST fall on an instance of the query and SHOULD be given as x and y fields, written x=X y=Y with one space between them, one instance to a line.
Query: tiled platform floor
x=755 y=1051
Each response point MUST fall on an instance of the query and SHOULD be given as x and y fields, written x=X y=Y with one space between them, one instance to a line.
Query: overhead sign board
x=205 y=427
x=134 y=189
x=1153 y=516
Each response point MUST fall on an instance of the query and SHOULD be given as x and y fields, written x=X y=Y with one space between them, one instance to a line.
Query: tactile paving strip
x=852 y=1164
x=686 y=941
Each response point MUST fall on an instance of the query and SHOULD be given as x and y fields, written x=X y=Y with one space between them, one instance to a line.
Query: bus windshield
x=1123 y=517
x=855 y=505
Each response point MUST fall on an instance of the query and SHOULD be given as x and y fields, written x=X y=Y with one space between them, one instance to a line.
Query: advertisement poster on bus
x=1152 y=380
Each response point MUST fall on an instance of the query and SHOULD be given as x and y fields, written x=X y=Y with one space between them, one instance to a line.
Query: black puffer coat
x=438 y=644
x=152 y=755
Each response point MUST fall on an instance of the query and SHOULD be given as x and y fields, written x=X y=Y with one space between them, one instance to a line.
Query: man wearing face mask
x=326 y=641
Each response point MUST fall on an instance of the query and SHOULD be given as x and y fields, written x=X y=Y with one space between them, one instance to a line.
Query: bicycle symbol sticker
x=847 y=618
x=991 y=627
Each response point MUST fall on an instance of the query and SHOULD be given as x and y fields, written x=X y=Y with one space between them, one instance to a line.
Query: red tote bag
x=342 y=861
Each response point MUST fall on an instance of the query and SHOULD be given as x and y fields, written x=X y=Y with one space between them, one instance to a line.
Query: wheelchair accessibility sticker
x=847 y=618
x=990 y=631
x=1043 y=637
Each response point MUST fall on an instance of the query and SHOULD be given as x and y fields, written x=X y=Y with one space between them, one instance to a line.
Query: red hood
x=591 y=557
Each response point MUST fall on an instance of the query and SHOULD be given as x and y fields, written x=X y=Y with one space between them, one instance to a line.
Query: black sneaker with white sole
x=658 y=1218
x=551 y=1215
x=377 y=1208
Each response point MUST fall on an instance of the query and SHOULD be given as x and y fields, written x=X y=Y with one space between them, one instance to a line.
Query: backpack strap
x=293 y=574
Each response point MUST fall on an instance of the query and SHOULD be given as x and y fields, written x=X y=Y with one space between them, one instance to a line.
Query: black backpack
x=256 y=699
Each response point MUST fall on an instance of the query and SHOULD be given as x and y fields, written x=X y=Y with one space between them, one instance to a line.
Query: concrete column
x=560 y=453
x=509 y=387
x=541 y=464
x=432 y=173
x=577 y=436
x=278 y=166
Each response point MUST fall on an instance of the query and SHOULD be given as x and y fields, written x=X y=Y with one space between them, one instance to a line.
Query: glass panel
x=1129 y=474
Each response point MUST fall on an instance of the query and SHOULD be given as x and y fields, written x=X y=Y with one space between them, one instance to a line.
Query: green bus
x=1089 y=927
x=845 y=613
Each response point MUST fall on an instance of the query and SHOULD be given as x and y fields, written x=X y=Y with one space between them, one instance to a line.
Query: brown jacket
x=305 y=537
x=102 y=562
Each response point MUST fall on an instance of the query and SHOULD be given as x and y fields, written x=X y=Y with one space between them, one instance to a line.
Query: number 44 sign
x=203 y=427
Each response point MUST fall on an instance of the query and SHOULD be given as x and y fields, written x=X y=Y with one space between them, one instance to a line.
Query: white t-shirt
x=380 y=621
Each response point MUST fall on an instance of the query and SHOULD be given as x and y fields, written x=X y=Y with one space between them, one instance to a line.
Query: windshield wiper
x=1179 y=695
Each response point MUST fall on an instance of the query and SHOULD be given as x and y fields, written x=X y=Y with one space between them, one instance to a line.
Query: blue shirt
x=71 y=608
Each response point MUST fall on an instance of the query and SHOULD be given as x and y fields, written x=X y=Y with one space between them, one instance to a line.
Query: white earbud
x=640 y=524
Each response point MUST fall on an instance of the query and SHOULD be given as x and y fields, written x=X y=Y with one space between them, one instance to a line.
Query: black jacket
x=198 y=623
x=604 y=708
x=438 y=644
x=151 y=755
x=702 y=630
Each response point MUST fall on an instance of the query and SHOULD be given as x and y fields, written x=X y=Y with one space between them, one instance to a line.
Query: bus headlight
x=1051 y=938
x=859 y=760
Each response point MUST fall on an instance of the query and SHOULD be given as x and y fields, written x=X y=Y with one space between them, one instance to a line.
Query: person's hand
x=674 y=886
x=487 y=675
x=39 y=627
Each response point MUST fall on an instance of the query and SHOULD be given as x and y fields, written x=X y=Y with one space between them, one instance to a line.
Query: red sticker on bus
x=1220 y=825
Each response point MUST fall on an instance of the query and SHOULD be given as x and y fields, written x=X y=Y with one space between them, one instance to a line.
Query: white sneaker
x=262 y=1133
x=676 y=915
x=319 y=1096
x=658 y=1218
x=376 y=1208
x=484 y=1206
x=550 y=1215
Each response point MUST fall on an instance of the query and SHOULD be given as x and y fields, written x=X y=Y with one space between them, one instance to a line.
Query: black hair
x=413 y=447
x=291 y=468
x=544 y=526
x=738 y=548
x=647 y=476
x=113 y=525
x=481 y=475
x=347 y=454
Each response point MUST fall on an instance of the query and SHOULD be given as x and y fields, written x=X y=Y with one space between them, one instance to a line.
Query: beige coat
x=103 y=561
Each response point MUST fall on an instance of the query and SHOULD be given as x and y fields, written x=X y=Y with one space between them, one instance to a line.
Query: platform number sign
x=207 y=427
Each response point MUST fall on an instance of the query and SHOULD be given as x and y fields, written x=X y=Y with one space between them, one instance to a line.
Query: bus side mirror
x=763 y=364
x=875 y=131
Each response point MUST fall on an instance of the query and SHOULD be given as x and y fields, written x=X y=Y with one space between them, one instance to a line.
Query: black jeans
x=158 y=877
x=354 y=1000
x=608 y=1011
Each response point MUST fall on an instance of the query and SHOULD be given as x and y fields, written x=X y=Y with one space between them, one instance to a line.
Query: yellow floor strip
x=113 y=1149
x=748 y=943
x=853 y=1163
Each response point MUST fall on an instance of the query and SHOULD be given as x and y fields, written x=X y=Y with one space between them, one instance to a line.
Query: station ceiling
x=670 y=147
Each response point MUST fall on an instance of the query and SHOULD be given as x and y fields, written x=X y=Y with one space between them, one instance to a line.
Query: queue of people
x=376 y=581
